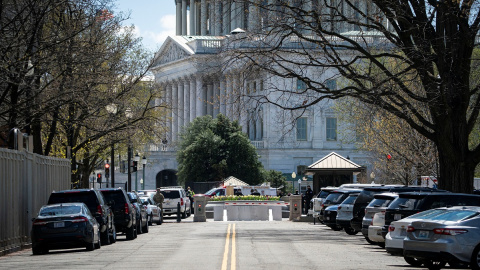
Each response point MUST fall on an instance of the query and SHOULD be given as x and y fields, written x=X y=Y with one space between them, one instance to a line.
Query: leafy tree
x=276 y=179
x=430 y=88
x=214 y=149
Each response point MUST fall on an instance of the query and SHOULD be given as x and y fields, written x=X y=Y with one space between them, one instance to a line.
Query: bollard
x=200 y=202
x=178 y=213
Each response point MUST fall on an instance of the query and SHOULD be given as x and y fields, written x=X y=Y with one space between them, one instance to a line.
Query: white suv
x=173 y=197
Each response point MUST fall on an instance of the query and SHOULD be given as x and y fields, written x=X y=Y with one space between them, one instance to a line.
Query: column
x=253 y=16
x=218 y=18
x=200 y=97
x=180 y=107
x=192 y=17
x=198 y=18
x=216 y=97
x=193 y=95
x=203 y=18
x=222 y=99
x=168 y=118
x=210 y=99
x=186 y=102
x=226 y=17
x=174 y=111
x=235 y=98
x=259 y=123
x=241 y=15
x=184 y=17
x=178 y=5
x=211 y=18
x=229 y=97
x=233 y=16
x=242 y=106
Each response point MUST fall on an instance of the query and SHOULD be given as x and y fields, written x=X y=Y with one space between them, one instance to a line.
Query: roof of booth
x=334 y=161
x=233 y=181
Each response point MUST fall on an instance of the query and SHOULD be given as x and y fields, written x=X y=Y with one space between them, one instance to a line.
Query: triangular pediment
x=334 y=161
x=172 y=51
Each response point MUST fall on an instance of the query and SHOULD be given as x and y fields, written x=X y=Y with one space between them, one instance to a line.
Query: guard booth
x=295 y=207
x=200 y=202
x=335 y=170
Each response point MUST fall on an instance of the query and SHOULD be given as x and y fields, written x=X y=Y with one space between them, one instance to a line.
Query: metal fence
x=26 y=181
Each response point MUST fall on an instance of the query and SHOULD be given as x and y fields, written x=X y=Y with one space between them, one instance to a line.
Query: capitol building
x=190 y=67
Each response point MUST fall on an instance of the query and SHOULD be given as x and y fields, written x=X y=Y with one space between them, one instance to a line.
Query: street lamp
x=112 y=108
x=136 y=159
x=129 y=115
x=294 y=175
x=144 y=162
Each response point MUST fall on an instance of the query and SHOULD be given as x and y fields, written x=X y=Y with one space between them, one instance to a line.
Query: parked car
x=97 y=205
x=173 y=197
x=154 y=213
x=141 y=212
x=124 y=212
x=330 y=217
x=451 y=237
x=379 y=204
x=316 y=202
x=335 y=197
x=410 y=203
x=64 y=225
x=345 y=214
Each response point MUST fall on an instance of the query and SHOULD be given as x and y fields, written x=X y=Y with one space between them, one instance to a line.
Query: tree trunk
x=455 y=175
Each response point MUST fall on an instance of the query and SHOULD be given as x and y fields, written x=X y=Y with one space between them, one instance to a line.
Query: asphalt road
x=223 y=246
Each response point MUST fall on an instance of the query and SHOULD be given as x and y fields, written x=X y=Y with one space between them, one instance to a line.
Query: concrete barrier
x=248 y=211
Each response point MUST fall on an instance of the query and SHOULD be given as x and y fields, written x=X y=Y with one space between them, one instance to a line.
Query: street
x=221 y=245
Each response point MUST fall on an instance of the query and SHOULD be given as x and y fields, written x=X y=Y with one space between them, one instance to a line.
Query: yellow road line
x=233 y=259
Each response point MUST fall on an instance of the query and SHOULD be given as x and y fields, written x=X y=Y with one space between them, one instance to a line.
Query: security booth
x=295 y=207
x=335 y=170
x=200 y=201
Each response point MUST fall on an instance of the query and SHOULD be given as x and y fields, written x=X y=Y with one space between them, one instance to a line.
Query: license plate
x=403 y=232
x=397 y=216
x=422 y=235
x=59 y=224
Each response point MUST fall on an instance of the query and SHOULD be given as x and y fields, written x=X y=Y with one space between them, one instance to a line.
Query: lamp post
x=144 y=162
x=129 y=115
x=136 y=159
x=294 y=175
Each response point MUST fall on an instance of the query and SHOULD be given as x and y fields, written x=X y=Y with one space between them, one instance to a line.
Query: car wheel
x=370 y=241
x=38 y=250
x=139 y=226
x=350 y=231
x=475 y=261
x=160 y=220
x=336 y=228
x=90 y=246
x=413 y=261
x=105 y=237
x=113 y=236
x=150 y=220
x=131 y=233
x=99 y=241
x=145 y=228
x=434 y=265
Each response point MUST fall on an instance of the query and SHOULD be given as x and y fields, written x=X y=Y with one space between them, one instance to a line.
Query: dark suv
x=123 y=210
x=410 y=203
x=141 y=212
x=97 y=205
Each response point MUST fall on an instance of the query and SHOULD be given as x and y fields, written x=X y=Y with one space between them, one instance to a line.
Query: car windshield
x=404 y=203
x=116 y=196
x=87 y=198
x=170 y=194
x=380 y=202
x=60 y=210
x=350 y=199
x=455 y=215
x=323 y=194
x=335 y=198
x=428 y=214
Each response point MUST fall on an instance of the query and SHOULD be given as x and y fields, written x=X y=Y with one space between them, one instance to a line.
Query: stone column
x=233 y=15
x=222 y=97
x=186 y=102
x=168 y=119
x=241 y=15
x=174 y=111
x=203 y=17
x=216 y=97
x=210 y=99
x=198 y=19
x=200 y=97
x=229 y=97
x=226 y=17
x=192 y=17
x=242 y=106
x=180 y=107
x=193 y=99
x=178 y=5
x=184 y=17
x=218 y=18
x=253 y=16
x=211 y=18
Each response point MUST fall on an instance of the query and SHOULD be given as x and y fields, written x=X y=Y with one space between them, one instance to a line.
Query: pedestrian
x=190 y=195
x=255 y=192
x=158 y=198
x=308 y=197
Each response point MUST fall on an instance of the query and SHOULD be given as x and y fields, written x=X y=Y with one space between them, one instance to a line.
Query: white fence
x=26 y=181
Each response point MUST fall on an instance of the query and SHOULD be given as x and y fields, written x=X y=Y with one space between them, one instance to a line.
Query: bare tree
x=431 y=43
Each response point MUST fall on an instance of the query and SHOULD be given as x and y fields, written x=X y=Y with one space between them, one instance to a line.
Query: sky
x=154 y=20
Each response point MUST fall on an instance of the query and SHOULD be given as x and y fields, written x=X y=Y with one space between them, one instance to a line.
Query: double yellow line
x=233 y=258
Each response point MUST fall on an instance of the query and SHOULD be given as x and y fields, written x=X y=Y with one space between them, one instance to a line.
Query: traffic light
x=107 y=170
x=134 y=166
x=99 y=177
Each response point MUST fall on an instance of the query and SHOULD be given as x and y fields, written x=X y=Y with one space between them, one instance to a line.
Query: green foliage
x=214 y=149
x=276 y=179
x=244 y=198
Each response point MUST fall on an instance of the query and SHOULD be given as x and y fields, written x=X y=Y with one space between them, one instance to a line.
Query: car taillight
x=181 y=201
x=80 y=219
x=410 y=229
x=391 y=228
x=446 y=231
x=99 y=210
x=39 y=222
x=127 y=211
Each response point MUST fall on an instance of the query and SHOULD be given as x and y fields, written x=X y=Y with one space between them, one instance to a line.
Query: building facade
x=189 y=67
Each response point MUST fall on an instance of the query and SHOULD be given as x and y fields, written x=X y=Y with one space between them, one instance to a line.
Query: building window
x=331 y=129
x=301 y=86
x=301 y=169
x=302 y=129
x=331 y=84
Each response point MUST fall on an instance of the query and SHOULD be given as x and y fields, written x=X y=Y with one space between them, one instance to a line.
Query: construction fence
x=26 y=181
